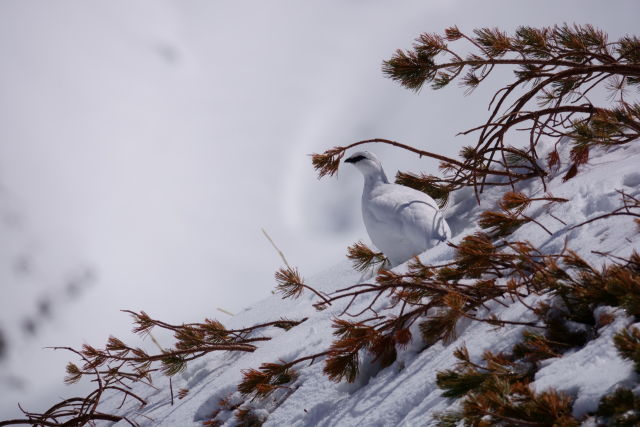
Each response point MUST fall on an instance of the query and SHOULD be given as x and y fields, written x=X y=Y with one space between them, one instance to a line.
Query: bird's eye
x=355 y=159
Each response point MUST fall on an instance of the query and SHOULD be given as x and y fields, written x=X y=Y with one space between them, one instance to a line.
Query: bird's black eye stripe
x=355 y=159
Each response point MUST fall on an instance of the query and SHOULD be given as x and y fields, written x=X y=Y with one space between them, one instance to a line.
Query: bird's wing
x=414 y=211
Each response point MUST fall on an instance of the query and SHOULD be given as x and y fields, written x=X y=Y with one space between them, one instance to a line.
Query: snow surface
x=40 y=286
x=121 y=126
x=405 y=393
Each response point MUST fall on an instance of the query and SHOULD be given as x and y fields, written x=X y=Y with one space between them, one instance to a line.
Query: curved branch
x=422 y=153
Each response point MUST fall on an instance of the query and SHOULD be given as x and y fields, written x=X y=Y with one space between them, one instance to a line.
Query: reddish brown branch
x=438 y=157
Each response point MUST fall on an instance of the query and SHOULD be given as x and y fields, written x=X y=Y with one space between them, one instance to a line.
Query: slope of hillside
x=405 y=393
x=40 y=284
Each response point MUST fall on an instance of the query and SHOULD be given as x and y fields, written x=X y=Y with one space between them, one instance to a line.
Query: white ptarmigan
x=401 y=222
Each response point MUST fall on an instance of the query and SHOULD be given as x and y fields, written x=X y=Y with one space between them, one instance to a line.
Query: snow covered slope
x=405 y=393
x=121 y=123
x=40 y=285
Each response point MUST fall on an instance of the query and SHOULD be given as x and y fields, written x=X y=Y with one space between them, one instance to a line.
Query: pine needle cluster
x=291 y=285
x=265 y=380
x=627 y=342
x=428 y=184
x=117 y=366
x=555 y=70
x=364 y=258
x=497 y=392
x=620 y=408
x=511 y=214
x=484 y=271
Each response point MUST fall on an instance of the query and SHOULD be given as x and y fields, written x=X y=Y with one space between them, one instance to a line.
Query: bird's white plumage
x=401 y=222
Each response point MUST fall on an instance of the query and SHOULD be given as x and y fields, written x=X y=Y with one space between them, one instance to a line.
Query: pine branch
x=364 y=258
x=291 y=285
x=562 y=64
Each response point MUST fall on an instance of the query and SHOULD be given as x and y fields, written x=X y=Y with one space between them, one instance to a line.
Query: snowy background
x=143 y=144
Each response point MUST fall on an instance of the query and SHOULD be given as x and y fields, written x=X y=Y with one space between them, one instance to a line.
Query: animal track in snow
x=631 y=180
x=602 y=204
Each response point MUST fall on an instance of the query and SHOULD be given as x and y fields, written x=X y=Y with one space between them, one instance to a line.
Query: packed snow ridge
x=405 y=393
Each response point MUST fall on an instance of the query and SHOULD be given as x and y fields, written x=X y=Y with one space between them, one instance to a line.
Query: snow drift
x=405 y=393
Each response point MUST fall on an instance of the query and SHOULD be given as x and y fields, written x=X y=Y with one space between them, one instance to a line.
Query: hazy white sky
x=153 y=139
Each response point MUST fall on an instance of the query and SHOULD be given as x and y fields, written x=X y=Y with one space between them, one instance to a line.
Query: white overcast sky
x=153 y=139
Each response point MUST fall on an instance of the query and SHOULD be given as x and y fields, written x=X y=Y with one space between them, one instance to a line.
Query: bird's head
x=366 y=162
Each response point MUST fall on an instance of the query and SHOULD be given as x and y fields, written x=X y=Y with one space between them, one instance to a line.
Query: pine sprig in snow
x=556 y=291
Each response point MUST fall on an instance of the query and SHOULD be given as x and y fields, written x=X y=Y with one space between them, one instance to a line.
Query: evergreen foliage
x=627 y=342
x=555 y=69
x=364 y=258
x=621 y=408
